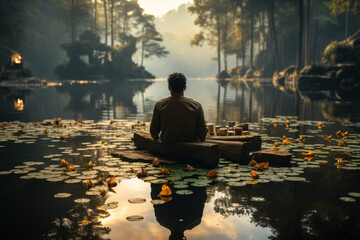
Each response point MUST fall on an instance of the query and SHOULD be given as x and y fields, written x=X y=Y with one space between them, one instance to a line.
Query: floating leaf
x=347 y=199
x=82 y=200
x=354 y=194
x=137 y=200
x=184 y=192
x=257 y=199
x=62 y=195
x=157 y=201
x=134 y=218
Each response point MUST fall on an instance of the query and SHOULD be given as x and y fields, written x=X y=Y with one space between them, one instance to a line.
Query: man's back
x=178 y=119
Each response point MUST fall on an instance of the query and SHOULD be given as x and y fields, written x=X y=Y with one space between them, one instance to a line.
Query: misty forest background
x=117 y=39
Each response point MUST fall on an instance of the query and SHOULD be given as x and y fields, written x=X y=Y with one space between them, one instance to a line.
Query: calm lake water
x=303 y=201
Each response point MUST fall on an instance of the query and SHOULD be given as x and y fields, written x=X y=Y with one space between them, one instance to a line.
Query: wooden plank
x=203 y=153
x=142 y=156
x=254 y=140
x=275 y=158
x=234 y=151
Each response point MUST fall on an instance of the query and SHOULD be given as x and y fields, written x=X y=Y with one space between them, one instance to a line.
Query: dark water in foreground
x=297 y=202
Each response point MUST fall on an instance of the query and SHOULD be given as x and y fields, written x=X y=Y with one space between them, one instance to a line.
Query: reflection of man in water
x=178 y=118
x=180 y=214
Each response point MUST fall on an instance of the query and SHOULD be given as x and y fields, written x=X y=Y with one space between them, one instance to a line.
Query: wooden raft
x=203 y=153
x=254 y=140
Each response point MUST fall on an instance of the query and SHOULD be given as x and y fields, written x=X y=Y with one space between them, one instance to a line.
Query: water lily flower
x=63 y=137
x=100 y=181
x=276 y=146
x=165 y=171
x=64 y=163
x=300 y=139
x=142 y=173
x=155 y=162
x=90 y=183
x=111 y=182
x=310 y=153
x=341 y=143
x=90 y=164
x=165 y=190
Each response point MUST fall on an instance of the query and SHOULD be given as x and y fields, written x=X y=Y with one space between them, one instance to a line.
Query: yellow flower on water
x=276 y=146
x=111 y=182
x=100 y=181
x=340 y=161
x=310 y=153
x=341 y=143
x=90 y=164
x=165 y=171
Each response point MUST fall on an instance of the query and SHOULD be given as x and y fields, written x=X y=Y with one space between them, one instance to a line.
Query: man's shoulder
x=163 y=100
x=191 y=100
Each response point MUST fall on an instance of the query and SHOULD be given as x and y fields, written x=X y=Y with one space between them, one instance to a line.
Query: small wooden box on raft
x=234 y=148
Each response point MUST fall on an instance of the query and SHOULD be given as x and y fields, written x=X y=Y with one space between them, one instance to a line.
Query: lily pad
x=157 y=202
x=257 y=199
x=82 y=200
x=134 y=218
x=184 y=192
x=137 y=200
x=347 y=199
x=62 y=195
x=354 y=194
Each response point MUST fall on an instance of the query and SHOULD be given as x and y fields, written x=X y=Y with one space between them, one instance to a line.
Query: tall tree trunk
x=106 y=23
x=299 y=62
x=112 y=21
x=75 y=17
x=315 y=34
x=307 y=33
x=273 y=34
x=142 y=48
x=218 y=45
x=251 y=39
x=95 y=17
x=72 y=20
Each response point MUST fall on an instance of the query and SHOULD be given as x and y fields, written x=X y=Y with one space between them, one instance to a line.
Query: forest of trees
x=104 y=30
x=273 y=34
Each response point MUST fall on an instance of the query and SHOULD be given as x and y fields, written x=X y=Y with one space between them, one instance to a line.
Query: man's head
x=177 y=83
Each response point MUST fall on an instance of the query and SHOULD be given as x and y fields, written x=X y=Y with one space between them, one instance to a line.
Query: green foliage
x=338 y=52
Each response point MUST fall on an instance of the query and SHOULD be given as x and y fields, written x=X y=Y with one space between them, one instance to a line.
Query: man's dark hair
x=177 y=82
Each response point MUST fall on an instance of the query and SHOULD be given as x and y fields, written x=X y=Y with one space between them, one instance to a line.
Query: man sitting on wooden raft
x=177 y=118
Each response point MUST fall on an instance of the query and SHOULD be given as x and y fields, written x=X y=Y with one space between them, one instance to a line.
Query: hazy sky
x=160 y=7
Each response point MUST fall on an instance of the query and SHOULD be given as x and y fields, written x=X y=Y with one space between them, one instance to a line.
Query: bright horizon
x=159 y=7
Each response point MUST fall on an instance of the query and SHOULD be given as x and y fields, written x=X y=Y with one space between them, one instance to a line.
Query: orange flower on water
x=90 y=164
x=253 y=162
x=69 y=168
x=346 y=135
x=89 y=183
x=338 y=133
x=111 y=121
x=341 y=143
x=254 y=174
x=276 y=146
x=324 y=164
x=211 y=173
x=64 y=163
x=100 y=181
x=285 y=141
x=320 y=125
x=155 y=162
x=111 y=182
x=340 y=161
x=142 y=173
x=300 y=139
x=310 y=153
x=165 y=191
x=63 y=137
x=329 y=138
x=165 y=171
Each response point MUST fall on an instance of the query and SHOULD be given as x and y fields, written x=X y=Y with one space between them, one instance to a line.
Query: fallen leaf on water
x=254 y=175
x=212 y=173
